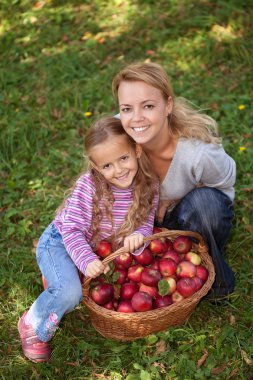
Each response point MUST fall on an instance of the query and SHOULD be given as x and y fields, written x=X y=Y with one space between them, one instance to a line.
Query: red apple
x=156 y=230
x=115 y=304
x=122 y=273
x=202 y=272
x=151 y=290
x=103 y=249
x=128 y=290
x=125 y=306
x=145 y=258
x=176 y=297
x=172 y=284
x=198 y=282
x=102 y=293
x=142 y=301
x=186 y=269
x=150 y=276
x=182 y=244
x=193 y=257
x=171 y=254
x=186 y=287
x=155 y=263
x=168 y=245
x=123 y=261
x=167 y=267
x=162 y=301
x=134 y=273
x=109 y=305
x=156 y=246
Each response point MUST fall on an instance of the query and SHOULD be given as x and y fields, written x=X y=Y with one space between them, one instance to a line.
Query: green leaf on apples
x=163 y=287
x=115 y=276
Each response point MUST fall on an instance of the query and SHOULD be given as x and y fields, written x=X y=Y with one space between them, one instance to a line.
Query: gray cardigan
x=197 y=163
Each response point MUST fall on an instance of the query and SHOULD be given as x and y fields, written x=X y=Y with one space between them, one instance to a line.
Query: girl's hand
x=95 y=268
x=133 y=242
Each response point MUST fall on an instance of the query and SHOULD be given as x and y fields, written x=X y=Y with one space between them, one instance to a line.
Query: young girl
x=115 y=200
x=196 y=175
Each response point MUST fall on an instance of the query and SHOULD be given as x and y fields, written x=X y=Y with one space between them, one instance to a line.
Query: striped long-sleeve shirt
x=74 y=220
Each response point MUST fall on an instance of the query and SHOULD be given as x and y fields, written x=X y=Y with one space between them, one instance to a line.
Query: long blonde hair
x=185 y=120
x=144 y=190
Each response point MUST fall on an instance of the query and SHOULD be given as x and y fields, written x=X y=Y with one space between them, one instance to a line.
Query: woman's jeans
x=209 y=212
x=64 y=290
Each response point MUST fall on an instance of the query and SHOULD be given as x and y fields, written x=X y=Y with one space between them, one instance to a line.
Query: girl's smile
x=116 y=160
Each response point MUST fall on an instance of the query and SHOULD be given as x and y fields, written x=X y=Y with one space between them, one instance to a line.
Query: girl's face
x=116 y=160
x=144 y=112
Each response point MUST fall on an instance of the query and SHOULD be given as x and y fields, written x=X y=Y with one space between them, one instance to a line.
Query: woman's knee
x=205 y=207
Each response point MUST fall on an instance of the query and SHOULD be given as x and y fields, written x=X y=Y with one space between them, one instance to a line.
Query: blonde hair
x=185 y=119
x=144 y=190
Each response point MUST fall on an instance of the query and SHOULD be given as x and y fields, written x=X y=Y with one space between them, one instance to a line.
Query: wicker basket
x=132 y=326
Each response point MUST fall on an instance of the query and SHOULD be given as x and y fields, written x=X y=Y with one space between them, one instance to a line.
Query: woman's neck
x=161 y=154
x=163 y=146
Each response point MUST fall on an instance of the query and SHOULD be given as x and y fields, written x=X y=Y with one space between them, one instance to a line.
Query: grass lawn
x=57 y=61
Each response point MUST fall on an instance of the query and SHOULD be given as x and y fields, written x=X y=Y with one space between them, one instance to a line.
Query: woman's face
x=144 y=112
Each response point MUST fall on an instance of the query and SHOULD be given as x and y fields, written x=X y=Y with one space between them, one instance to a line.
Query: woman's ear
x=138 y=150
x=169 y=105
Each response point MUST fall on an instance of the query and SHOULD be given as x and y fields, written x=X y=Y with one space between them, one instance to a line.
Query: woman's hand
x=162 y=208
x=133 y=242
x=95 y=268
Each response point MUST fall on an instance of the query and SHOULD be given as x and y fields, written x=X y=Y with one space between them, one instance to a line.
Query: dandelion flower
x=241 y=107
x=87 y=114
x=242 y=148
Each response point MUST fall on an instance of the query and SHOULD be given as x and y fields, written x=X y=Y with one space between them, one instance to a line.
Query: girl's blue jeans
x=209 y=212
x=64 y=290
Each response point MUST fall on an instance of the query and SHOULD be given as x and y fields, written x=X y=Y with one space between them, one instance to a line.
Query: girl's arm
x=76 y=223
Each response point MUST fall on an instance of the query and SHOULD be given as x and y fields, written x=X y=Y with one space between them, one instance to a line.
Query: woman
x=196 y=174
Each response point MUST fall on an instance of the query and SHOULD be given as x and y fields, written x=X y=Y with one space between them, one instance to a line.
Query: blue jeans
x=209 y=212
x=64 y=290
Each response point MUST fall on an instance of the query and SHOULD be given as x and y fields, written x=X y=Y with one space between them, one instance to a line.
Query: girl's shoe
x=33 y=348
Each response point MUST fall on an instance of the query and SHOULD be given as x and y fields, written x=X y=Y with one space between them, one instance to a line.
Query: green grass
x=57 y=60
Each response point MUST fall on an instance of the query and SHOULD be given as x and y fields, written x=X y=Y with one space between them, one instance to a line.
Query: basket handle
x=166 y=233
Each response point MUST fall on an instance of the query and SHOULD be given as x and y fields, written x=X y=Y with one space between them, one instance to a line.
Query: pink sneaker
x=33 y=348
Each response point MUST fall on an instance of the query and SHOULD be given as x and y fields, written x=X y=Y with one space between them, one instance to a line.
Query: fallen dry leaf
x=56 y=114
x=160 y=347
x=40 y=100
x=35 y=243
x=73 y=364
x=232 y=373
x=249 y=228
x=160 y=365
x=218 y=370
x=202 y=359
x=246 y=358
x=232 y=320
x=80 y=316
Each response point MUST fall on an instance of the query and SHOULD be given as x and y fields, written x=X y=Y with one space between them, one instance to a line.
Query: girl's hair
x=185 y=120
x=144 y=189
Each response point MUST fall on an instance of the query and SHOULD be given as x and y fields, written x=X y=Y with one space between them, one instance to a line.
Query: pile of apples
x=165 y=272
